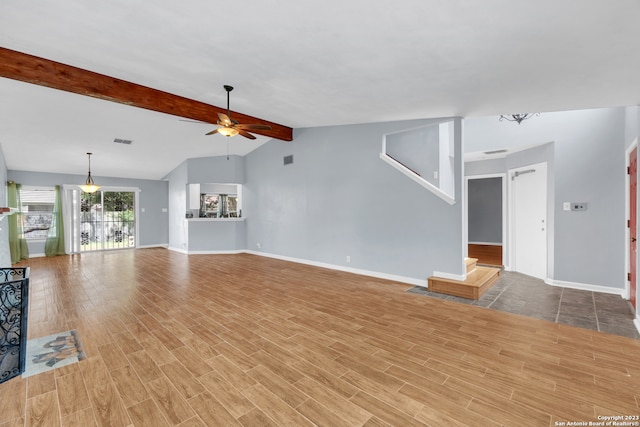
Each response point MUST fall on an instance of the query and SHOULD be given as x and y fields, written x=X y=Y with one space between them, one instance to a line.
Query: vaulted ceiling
x=301 y=64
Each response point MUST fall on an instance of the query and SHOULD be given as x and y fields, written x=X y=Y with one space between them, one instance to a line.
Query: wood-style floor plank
x=42 y=410
x=245 y=340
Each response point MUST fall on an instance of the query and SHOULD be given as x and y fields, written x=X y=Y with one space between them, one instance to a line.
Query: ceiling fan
x=229 y=127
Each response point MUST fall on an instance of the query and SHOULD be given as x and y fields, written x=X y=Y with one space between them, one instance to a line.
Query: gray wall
x=211 y=236
x=588 y=166
x=153 y=223
x=418 y=150
x=216 y=170
x=485 y=210
x=195 y=236
x=632 y=125
x=340 y=199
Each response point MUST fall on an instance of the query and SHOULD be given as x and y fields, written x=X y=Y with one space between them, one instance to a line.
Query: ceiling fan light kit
x=89 y=186
x=228 y=131
x=229 y=127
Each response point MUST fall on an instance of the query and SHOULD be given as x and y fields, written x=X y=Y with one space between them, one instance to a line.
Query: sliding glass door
x=107 y=220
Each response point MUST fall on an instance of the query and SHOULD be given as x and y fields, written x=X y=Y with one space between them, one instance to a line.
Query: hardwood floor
x=246 y=340
x=486 y=254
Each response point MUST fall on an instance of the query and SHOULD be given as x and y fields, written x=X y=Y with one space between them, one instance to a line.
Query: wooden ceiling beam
x=44 y=72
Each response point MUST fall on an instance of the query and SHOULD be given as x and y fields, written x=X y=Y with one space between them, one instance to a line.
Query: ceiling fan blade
x=192 y=121
x=224 y=120
x=212 y=132
x=245 y=134
x=253 y=127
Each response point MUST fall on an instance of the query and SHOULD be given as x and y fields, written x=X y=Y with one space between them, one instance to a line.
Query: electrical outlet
x=258 y=245
x=348 y=258
x=578 y=206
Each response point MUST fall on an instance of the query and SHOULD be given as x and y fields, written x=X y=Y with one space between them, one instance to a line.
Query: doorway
x=528 y=220
x=107 y=220
x=486 y=215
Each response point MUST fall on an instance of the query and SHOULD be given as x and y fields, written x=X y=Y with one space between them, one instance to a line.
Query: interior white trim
x=636 y=323
x=229 y=252
x=585 y=287
x=179 y=250
x=392 y=277
x=423 y=182
x=159 y=245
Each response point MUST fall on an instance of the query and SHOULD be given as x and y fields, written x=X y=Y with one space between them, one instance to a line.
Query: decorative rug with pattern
x=57 y=350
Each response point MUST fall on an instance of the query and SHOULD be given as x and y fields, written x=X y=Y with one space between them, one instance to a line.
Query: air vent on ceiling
x=288 y=159
x=495 y=152
x=123 y=141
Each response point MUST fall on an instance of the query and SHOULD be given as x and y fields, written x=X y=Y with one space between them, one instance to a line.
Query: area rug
x=57 y=350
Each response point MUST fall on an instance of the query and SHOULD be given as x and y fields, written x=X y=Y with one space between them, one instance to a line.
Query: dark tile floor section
x=521 y=294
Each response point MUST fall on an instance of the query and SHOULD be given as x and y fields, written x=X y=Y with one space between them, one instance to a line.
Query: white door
x=529 y=219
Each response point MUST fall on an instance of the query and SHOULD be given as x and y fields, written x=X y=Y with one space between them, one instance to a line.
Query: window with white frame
x=36 y=211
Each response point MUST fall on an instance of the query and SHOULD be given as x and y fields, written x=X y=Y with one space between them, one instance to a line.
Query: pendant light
x=89 y=186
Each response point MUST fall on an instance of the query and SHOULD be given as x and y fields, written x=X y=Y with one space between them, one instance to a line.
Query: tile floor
x=521 y=294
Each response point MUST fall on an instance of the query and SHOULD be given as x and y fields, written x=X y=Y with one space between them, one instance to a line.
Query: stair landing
x=478 y=281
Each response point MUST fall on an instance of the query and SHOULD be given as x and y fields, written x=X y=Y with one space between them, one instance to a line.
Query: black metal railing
x=14 y=293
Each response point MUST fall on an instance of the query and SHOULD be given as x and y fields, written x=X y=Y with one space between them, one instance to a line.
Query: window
x=218 y=205
x=36 y=207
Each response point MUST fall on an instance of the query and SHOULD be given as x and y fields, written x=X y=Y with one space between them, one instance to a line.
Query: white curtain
x=68 y=196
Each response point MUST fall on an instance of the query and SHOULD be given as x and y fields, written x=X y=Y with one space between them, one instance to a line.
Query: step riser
x=465 y=289
x=471 y=264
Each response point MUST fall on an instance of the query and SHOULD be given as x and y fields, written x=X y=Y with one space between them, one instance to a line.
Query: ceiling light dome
x=227 y=131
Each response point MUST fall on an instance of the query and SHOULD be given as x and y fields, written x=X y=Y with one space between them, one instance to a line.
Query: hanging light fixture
x=228 y=131
x=89 y=186
x=518 y=117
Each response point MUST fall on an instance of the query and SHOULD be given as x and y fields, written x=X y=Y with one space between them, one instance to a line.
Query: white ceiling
x=302 y=64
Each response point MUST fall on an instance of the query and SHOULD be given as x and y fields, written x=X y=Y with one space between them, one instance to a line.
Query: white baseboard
x=636 y=322
x=234 y=252
x=585 y=287
x=163 y=245
x=40 y=255
x=376 y=274
x=182 y=251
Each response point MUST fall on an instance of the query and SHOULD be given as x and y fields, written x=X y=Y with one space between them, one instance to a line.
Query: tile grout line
x=595 y=311
x=499 y=295
x=559 y=305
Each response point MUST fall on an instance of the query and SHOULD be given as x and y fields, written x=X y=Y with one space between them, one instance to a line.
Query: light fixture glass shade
x=227 y=131
x=89 y=186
